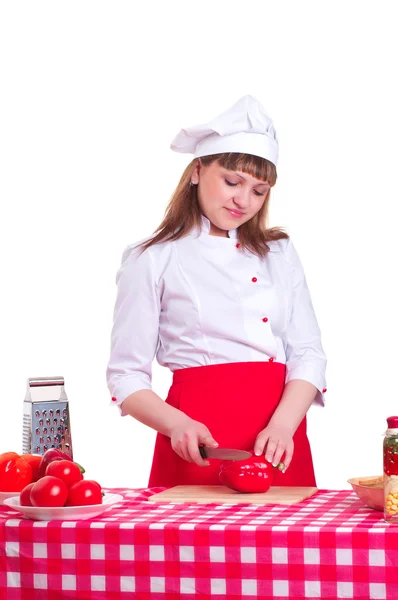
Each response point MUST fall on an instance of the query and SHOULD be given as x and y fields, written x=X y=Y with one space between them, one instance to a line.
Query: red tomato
x=49 y=491
x=84 y=492
x=68 y=471
x=24 y=496
x=34 y=461
x=48 y=457
x=15 y=473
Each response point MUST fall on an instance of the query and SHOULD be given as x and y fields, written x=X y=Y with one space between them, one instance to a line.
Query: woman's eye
x=257 y=193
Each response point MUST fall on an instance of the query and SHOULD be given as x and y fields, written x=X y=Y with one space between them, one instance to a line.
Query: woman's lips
x=236 y=214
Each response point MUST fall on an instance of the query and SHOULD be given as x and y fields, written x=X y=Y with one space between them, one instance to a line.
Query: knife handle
x=202 y=451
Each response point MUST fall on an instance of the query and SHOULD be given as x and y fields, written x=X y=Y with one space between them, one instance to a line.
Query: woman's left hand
x=275 y=441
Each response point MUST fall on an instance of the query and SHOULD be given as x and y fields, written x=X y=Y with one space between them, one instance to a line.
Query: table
x=329 y=546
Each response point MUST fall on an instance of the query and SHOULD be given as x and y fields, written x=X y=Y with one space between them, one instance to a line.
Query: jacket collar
x=205 y=229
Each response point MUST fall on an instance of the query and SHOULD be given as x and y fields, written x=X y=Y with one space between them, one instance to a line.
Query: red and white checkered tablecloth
x=329 y=546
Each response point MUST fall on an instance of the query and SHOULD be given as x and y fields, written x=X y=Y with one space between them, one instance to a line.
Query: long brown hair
x=183 y=211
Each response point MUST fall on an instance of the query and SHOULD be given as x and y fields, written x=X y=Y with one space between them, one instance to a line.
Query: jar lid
x=392 y=422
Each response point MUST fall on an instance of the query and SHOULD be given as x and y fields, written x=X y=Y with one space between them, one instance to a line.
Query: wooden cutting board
x=206 y=494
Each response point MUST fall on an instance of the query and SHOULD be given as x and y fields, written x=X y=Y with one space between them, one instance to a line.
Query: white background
x=92 y=94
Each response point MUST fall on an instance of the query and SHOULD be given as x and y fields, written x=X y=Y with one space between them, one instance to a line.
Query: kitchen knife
x=223 y=453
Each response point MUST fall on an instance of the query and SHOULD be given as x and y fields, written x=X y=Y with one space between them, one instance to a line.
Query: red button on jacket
x=265 y=319
x=254 y=279
x=113 y=399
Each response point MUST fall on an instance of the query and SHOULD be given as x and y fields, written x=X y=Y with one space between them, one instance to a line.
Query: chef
x=220 y=299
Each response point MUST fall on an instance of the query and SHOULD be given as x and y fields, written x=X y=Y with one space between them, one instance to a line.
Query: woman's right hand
x=186 y=437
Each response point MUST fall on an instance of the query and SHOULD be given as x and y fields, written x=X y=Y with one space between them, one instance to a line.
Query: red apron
x=235 y=401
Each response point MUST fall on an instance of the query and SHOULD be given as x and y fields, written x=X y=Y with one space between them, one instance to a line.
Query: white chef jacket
x=201 y=301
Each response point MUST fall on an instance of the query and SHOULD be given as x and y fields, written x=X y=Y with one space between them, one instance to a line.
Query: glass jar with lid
x=390 y=470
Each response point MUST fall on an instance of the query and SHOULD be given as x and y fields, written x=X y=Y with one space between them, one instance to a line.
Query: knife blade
x=223 y=453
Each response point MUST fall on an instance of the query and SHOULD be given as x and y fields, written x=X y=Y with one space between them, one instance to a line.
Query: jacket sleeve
x=135 y=331
x=305 y=358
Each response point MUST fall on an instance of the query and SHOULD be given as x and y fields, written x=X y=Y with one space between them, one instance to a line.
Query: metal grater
x=46 y=422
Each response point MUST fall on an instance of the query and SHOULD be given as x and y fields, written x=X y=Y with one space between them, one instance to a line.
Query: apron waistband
x=228 y=370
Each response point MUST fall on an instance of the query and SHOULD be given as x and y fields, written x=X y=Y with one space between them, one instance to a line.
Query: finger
x=185 y=455
x=279 y=452
x=179 y=453
x=288 y=455
x=270 y=450
x=181 y=450
x=259 y=444
x=208 y=440
x=194 y=453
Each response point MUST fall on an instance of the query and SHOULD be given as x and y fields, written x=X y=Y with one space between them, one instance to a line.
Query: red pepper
x=254 y=474
x=15 y=473
x=390 y=460
x=53 y=454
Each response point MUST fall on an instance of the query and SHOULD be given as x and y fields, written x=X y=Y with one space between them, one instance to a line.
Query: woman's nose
x=242 y=198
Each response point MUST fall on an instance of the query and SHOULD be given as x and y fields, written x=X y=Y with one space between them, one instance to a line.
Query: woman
x=222 y=301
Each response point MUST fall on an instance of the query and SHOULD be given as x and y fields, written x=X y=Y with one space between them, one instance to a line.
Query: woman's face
x=227 y=198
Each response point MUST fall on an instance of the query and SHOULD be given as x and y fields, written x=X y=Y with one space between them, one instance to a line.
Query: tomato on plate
x=15 y=472
x=49 y=491
x=49 y=456
x=34 y=461
x=24 y=496
x=84 y=492
x=66 y=470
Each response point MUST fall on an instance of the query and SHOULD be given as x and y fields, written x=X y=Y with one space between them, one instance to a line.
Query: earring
x=192 y=184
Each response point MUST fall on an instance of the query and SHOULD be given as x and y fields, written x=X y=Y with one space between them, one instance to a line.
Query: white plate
x=5 y=495
x=64 y=513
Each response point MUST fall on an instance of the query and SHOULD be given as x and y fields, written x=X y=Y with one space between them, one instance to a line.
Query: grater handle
x=44 y=381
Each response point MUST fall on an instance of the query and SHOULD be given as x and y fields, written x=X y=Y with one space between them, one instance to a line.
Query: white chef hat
x=244 y=128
